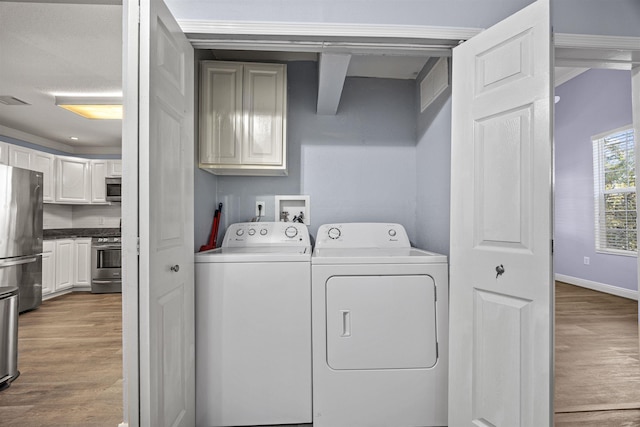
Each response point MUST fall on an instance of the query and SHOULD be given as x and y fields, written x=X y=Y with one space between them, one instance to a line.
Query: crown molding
x=195 y=28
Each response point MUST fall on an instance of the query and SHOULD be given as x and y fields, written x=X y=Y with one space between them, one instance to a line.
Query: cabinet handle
x=175 y=268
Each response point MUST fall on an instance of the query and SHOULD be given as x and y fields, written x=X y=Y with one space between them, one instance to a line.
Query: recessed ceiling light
x=75 y=138
x=102 y=108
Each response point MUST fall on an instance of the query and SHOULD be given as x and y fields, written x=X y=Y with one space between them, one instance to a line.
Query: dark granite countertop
x=65 y=233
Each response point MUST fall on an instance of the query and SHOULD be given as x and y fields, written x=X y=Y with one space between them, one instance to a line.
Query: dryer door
x=381 y=322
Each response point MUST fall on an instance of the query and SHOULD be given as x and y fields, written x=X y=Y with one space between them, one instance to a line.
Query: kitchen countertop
x=66 y=233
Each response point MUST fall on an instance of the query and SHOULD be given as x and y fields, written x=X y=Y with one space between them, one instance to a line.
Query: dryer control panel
x=362 y=235
x=252 y=234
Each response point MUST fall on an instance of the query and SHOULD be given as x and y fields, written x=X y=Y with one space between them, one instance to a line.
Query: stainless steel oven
x=106 y=265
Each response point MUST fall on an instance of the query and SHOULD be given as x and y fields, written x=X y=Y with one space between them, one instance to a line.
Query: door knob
x=499 y=270
x=175 y=268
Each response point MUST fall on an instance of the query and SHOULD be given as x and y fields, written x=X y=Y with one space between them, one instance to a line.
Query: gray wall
x=358 y=165
x=433 y=174
x=619 y=17
x=592 y=103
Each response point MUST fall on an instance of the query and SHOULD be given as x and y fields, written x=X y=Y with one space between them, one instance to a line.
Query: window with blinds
x=614 y=173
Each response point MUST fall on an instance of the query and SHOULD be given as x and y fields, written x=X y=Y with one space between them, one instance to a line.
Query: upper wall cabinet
x=98 y=174
x=66 y=179
x=114 y=168
x=4 y=153
x=35 y=160
x=243 y=108
x=74 y=180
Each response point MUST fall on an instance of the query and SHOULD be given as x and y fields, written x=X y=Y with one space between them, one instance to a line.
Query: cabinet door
x=73 y=183
x=82 y=262
x=64 y=264
x=48 y=267
x=4 y=153
x=98 y=174
x=220 y=112
x=43 y=162
x=19 y=156
x=264 y=108
x=114 y=167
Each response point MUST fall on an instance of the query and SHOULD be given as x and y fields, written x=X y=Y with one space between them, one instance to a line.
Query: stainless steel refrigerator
x=21 y=234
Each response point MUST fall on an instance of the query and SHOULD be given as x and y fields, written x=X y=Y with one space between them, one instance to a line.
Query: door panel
x=501 y=353
x=381 y=322
x=165 y=182
x=263 y=108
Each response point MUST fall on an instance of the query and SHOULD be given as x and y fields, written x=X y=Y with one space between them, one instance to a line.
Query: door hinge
x=437 y=350
x=138 y=245
x=435 y=293
x=552 y=248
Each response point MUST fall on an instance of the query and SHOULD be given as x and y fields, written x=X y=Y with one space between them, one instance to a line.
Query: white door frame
x=130 y=229
x=219 y=34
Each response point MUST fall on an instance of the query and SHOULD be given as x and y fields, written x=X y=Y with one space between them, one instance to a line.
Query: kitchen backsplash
x=79 y=216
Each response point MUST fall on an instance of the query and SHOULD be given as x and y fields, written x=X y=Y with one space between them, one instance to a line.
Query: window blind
x=615 y=192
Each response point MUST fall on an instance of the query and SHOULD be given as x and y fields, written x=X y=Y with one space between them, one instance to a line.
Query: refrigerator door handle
x=8 y=262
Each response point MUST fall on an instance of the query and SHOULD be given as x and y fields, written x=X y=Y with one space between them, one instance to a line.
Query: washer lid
x=376 y=256
x=256 y=254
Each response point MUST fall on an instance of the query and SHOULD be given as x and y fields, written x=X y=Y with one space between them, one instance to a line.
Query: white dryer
x=253 y=327
x=380 y=329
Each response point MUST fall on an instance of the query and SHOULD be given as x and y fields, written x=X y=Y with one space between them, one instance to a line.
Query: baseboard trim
x=56 y=294
x=600 y=287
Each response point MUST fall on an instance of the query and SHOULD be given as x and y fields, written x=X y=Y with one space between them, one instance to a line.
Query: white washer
x=253 y=327
x=380 y=329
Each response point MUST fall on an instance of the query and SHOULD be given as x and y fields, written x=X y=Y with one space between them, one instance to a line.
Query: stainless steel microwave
x=113 y=189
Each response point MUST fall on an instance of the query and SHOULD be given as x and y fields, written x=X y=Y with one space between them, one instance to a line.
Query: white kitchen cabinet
x=35 y=160
x=114 y=167
x=98 y=174
x=73 y=180
x=64 y=264
x=4 y=153
x=43 y=162
x=243 y=108
x=19 y=157
x=48 y=267
x=82 y=262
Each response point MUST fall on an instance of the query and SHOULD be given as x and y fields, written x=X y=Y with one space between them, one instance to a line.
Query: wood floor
x=70 y=360
x=597 y=381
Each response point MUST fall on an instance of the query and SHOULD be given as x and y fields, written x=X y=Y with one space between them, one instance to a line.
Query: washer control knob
x=263 y=232
x=252 y=231
x=291 y=232
x=334 y=233
x=239 y=232
x=392 y=232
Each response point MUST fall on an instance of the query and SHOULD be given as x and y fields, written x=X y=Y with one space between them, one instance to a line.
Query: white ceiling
x=60 y=48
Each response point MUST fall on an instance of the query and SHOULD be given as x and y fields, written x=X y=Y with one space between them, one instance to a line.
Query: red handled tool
x=214 y=230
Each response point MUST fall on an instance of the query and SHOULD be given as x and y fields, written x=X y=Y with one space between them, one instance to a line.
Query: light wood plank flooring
x=70 y=360
x=597 y=381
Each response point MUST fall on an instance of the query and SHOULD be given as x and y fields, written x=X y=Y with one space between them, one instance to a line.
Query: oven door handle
x=104 y=282
x=107 y=246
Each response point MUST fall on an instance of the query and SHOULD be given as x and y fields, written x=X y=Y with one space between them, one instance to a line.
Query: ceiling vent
x=11 y=100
